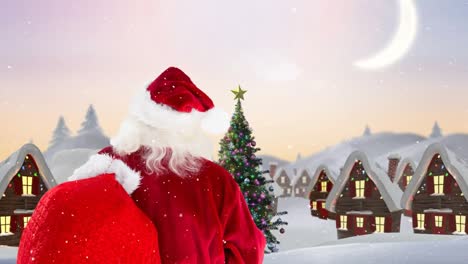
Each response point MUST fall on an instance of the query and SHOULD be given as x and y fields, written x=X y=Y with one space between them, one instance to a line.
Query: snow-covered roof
x=365 y=212
x=401 y=168
x=335 y=156
x=443 y=210
x=394 y=156
x=453 y=162
x=322 y=168
x=390 y=192
x=10 y=166
x=414 y=152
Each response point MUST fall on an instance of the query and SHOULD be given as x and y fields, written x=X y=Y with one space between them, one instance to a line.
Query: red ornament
x=282 y=230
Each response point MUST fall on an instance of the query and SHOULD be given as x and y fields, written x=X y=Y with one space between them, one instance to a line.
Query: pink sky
x=294 y=58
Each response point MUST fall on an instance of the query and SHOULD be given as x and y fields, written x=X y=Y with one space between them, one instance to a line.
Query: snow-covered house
x=300 y=183
x=318 y=189
x=364 y=199
x=283 y=179
x=436 y=196
x=24 y=178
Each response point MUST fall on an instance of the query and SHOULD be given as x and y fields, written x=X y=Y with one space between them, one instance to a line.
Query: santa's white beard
x=182 y=146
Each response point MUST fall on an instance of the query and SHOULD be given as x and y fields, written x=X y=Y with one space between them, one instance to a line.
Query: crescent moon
x=401 y=42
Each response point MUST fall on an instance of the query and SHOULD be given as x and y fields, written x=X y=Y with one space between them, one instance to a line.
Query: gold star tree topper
x=239 y=93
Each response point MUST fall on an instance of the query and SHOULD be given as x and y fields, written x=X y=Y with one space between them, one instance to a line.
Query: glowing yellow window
x=379 y=224
x=314 y=205
x=420 y=218
x=27 y=185
x=460 y=221
x=359 y=222
x=360 y=185
x=438 y=220
x=343 y=222
x=323 y=186
x=4 y=224
x=439 y=184
x=408 y=179
x=26 y=220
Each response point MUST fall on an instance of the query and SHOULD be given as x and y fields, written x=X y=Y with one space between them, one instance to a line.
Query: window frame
x=438 y=221
x=359 y=222
x=420 y=218
x=344 y=222
x=314 y=205
x=380 y=224
x=5 y=224
x=26 y=220
x=460 y=225
x=323 y=186
x=438 y=184
x=27 y=185
x=360 y=187
x=408 y=179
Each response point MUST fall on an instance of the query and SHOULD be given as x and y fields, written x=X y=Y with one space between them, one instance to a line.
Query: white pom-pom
x=215 y=121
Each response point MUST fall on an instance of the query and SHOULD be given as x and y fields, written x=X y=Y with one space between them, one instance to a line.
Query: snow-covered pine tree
x=367 y=131
x=436 y=131
x=90 y=123
x=60 y=134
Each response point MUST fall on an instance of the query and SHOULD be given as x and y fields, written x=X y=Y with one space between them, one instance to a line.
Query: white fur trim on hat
x=215 y=121
x=162 y=116
x=100 y=164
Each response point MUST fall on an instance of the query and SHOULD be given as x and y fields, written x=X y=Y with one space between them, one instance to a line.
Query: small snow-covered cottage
x=318 y=189
x=300 y=183
x=436 y=195
x=364 y=199
x=24 y=178
x=283 y=179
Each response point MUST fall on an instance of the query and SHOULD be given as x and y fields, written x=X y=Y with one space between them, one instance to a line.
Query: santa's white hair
x=181 y=146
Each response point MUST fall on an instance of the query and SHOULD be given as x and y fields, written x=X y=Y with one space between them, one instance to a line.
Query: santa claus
x=161 y=157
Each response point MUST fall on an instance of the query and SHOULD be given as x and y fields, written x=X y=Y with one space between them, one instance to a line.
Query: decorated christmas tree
x=237 y=155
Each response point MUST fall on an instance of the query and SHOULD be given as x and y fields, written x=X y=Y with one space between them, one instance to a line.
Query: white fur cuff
x=100 y=164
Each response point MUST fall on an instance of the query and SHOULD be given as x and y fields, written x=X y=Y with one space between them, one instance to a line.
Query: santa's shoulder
x=216 y=172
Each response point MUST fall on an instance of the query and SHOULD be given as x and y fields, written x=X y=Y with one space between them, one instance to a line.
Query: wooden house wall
x=391 y=225
x=424 y=199
x=316 y=194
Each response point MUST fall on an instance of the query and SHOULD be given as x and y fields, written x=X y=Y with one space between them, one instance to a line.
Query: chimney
x=393 y=161
x=273 y=167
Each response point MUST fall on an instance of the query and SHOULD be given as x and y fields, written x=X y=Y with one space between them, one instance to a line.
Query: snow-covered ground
x=310 y=240
x=8 y=255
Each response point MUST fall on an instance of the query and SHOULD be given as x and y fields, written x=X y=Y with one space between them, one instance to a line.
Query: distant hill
x=266 y=159
x=457 y=143
x=374 y=145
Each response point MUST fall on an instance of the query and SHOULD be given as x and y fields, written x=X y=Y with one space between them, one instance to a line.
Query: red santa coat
x=200 y=218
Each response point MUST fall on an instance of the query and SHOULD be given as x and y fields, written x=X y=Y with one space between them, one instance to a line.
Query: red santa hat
x=173 y=101
x=89 y=221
